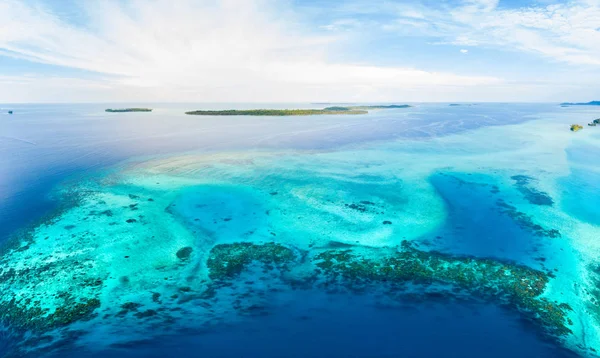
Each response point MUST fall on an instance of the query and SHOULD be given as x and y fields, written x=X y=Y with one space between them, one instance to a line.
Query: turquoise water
x=454 y=231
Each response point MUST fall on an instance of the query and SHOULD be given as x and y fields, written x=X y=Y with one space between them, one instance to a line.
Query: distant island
x=328 y=103
x=294 y=112
x=273 y=112
x=391 y=106
x=591 y=103
x=129 y=110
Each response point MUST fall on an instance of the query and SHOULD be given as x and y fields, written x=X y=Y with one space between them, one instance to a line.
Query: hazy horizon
x=303 y=102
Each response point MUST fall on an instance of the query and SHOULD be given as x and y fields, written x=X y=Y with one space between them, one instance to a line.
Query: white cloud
x=464 y=50
x=188 y=50
x=567 y=32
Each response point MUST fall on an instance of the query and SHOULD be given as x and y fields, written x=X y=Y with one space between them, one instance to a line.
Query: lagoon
x=104 y=204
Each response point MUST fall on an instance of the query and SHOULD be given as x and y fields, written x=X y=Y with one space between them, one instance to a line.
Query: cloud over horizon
x=259 y=50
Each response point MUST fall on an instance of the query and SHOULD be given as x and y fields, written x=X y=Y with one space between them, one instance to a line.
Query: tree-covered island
x=293 y=112
x=119 y=110
x=591 y=103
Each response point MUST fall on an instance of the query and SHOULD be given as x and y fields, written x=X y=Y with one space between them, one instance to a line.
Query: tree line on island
x=276 y=112
x=120 y=110
x=294 y=112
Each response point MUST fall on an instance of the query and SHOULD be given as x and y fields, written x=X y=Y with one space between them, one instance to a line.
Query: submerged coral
x=505 y=283
x=227 y=260
x=525 y=221
x=531 y=194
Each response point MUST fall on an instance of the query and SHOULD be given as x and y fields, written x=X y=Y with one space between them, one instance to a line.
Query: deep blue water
x=475 y=225
x=322 y=325
x=45 y=145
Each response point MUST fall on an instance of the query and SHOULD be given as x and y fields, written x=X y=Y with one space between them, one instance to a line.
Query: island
x=10 y=112
x=294 y=112
x=391 y=106
x=272 y=112
x=576 y=127
x=591 y=103
x=119 y=110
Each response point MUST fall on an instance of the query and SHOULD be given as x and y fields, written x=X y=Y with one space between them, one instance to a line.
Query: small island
x=272 y=112
x=576 y=127
x=294 y=112
x=10 y=112
x=119 y=110
x=591 y=103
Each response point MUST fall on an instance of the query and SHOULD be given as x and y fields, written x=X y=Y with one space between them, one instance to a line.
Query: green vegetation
x=273 y=112
x=294 y=112
x=336 y=108
x=391 y=106
x=591 y=103
x=576 y=127
x=128 y=110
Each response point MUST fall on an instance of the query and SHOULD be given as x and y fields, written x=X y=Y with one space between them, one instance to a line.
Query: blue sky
x=299 y=50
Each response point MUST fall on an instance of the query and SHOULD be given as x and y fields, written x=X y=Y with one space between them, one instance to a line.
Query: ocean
x=430 y=231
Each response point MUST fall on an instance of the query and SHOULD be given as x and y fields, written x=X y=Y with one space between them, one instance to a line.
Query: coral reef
x=274 y=112
x=120 y=110
x=525 y=221
x=505 y=283
x=228 y=260
x=531 y=194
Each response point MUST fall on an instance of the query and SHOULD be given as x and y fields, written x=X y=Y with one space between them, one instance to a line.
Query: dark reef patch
x=228 y=260
x=532 y=195
x=525 y=221
x=184 y=253
x=504 y=283
x=338 y=245
x=145 y=314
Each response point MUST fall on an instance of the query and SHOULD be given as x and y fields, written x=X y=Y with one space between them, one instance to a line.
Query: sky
x=299 y=51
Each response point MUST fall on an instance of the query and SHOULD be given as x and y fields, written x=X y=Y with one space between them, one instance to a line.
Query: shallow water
x=155 y=192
